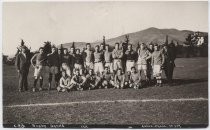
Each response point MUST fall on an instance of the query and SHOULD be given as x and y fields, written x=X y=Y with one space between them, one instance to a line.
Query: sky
x=63 y=22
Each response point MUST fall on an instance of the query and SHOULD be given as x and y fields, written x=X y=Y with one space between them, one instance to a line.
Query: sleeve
x=32 y=59
x=73 y=81
x=149 y=55
x=123 y=80
x=17 y=62
x=113 y=54
x=69 y=82
x=121 y=54
x=61 y=83
x=163 y=59
x=84 y=80
x=152 y=60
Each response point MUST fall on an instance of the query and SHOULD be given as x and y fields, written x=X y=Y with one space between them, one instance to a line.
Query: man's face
x=41 y=51
x=96 y=48
x=91 y=72
x=88 y=47
x=117 y=46
x=59 y=51
x=156 y=48
x=151 y=47
x=53 y=50
x=101 y=47
x=106 y=70
x=77 y=72
x=107 y=48
x=23 y=50
x=129 y=47
x=133 y=70
x=72 y=50
x=142 y=46
x=78 y=51
x=65 y=51
x=119 y=72
x=63 y=74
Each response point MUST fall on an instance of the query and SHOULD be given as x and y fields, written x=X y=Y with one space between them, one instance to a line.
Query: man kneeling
x=107 y=78
x=65 y=83
x=135 y=80
x=78 y=81
x=92 y=80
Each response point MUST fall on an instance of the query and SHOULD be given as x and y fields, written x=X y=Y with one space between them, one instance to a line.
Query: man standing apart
x=170 y=64
x=53 y=63
x=40 y=59
x=117 y=55
x=98 y=60
x=22 y=65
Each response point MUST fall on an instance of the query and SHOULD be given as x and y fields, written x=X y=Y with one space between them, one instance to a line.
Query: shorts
x=39 y=70
x=129 y=65
x=117 y=64
x=157 y=71
x=98 y=67
x=110 y=66
x=89 y=65
x=78 y=66
x=142 y=67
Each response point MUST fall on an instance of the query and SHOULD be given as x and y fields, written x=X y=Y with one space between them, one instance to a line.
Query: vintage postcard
x=108 y=64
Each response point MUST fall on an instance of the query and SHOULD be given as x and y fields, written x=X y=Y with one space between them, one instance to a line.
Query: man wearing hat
x=22 y=66
x=170 y=64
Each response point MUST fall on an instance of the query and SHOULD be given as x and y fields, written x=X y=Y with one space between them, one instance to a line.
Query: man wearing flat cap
x=22 y=65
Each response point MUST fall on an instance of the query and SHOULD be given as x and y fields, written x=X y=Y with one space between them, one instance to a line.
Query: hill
x=147 y=36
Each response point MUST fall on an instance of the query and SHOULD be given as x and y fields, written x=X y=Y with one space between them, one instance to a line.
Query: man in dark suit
x=170 y=64
x=22 y=65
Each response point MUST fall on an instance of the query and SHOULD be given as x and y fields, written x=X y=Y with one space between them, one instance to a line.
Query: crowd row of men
x=97 y=69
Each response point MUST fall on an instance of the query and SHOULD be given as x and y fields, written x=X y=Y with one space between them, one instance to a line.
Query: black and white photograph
x=105 y=64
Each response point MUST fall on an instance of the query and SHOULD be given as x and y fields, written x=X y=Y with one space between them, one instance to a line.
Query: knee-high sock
x=41 y=81
x=35 y=81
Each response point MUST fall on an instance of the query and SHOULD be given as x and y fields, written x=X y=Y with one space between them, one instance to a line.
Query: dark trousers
x=169 y=69
x=23 y=80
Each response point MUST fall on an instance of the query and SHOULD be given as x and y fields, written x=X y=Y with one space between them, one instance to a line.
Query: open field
x=186 y=102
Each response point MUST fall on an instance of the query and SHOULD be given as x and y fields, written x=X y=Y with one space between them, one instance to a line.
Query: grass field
x=186 y=102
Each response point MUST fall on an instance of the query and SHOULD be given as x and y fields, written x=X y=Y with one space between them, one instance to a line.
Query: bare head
x=88 y=46
x=96 y=48
x=65 y=51
x=116 y=45
x=77 y=51
x=130 y=47
x=41 y=50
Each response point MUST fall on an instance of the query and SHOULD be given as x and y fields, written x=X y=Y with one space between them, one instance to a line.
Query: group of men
x=101 y=68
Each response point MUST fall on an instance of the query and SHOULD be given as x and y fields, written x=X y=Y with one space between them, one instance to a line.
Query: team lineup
x=102 y=68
